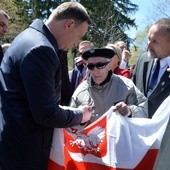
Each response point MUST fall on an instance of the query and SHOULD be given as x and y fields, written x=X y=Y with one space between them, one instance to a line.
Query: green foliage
x=139 y=45
x=16 y=24
x=110 y=18
x=32 y=9
x=71 y=55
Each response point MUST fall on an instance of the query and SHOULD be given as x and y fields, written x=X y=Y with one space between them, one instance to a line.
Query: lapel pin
x=163 y=83
x=168 y=69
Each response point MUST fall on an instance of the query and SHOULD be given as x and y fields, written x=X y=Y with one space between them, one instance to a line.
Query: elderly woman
x=117 y=60
x=103 y=89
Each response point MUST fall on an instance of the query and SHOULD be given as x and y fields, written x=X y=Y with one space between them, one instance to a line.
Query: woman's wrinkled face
x=98 y=68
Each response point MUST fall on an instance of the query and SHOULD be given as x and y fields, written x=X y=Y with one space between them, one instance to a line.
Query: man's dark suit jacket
x=1 y=53
x=141 y=77
x=31 y=91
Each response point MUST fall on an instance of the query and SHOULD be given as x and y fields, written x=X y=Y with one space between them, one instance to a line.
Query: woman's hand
x=122 y=108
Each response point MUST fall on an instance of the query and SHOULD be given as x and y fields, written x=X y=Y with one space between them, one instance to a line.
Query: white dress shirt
x=164 y=64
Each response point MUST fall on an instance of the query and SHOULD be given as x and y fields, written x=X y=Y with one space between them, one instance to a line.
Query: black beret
x=101 y=52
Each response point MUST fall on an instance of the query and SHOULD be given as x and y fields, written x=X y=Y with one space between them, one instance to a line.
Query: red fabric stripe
x=54 y=166
x=147 y=163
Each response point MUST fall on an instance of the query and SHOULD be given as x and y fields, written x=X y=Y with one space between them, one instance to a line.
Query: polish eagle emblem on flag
x=112 y=142
x=86 y=140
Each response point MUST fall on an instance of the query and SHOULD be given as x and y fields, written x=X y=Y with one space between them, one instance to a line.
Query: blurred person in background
x=4 y=19
x=116 y=60
x=79 y=70
x=125 y=54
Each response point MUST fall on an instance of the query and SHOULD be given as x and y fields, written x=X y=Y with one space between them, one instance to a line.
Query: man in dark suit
x=158 y=48
x=142 y=71
x=31 y=84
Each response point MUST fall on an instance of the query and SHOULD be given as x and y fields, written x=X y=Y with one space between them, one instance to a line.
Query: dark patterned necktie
x=155 y=74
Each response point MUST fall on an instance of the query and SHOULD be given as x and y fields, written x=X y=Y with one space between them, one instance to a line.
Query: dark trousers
x=2 y=167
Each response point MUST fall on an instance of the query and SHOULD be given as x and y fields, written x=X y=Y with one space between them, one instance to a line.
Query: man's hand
x=122 y=108
x=125 y=54
x=87 y=113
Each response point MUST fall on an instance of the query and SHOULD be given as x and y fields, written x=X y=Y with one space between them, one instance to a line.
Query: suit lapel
x=146 y=73
x=41 y=27
x=163 y=84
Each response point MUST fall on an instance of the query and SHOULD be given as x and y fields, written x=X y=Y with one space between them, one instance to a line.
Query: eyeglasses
x=99 y=65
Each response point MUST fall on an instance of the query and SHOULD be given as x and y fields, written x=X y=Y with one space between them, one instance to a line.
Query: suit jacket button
x=163 y=83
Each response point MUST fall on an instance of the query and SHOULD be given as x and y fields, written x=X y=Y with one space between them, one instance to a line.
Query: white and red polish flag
x=111 y=143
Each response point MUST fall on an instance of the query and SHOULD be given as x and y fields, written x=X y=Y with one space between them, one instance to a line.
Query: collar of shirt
x=164 y=64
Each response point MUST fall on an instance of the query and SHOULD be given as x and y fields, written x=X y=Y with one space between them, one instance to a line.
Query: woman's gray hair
x=116 y=49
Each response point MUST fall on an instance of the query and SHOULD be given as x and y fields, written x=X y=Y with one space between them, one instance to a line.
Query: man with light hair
x=31 y=84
